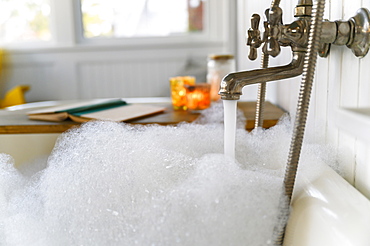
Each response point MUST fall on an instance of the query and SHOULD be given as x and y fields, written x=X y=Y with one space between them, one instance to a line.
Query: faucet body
x=276 y=34
x=354 y=33
x=233 y=83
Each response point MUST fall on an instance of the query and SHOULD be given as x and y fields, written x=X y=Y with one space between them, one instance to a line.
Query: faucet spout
x=233 y=83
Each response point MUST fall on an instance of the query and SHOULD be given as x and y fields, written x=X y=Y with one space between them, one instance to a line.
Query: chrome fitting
x=301 y=11
x=354 y=33
x=344 y=33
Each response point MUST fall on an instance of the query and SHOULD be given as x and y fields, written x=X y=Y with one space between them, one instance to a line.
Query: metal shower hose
x=301 y=113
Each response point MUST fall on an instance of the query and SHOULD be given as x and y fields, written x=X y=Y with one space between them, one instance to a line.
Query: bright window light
x=141 y=18
x=24 y=21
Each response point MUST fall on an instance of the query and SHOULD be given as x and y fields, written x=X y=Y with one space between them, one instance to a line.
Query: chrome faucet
x=233 y=83
x=276 y=35
x=354 y=33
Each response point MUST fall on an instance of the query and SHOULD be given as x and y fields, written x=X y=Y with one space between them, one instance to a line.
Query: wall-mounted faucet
x=275 y=35
x=354 y=33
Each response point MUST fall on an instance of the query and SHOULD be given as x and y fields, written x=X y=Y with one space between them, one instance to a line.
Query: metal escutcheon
x=361 y=36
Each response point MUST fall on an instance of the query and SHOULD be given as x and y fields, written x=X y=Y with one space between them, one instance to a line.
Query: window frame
x=34 y=43
x=67 y=31
x=181 y=33
x=209 y=34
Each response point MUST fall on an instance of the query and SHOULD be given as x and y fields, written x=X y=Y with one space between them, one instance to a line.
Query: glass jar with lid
x=218 y=67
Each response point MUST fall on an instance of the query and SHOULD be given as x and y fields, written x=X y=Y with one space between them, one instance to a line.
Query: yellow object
x=15 y=96
x=178 y=91
x=198 y=96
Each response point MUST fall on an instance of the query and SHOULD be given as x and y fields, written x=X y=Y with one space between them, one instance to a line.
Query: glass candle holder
x=198 y=96
x=178 y=91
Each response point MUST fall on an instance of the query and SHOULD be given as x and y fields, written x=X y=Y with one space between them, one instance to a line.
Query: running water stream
x=230 y=127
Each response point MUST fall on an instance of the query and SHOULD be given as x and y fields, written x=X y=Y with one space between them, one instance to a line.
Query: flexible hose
x=302 y=111
x=275 y=3
x=304 y=97
x=260 y=106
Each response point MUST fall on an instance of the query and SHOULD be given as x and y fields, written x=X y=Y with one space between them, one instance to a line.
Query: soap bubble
x=108 y=183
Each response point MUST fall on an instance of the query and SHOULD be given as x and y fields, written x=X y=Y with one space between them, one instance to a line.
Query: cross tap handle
x=254 y=38
x=274 y=17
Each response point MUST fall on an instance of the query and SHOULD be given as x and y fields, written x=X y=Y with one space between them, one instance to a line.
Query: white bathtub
x=328 y=211
x=25 y=148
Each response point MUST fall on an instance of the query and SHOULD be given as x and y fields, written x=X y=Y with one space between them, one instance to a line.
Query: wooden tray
x=17 y=122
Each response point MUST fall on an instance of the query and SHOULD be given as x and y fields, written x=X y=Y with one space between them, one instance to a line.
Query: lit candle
x=198 y=96
x=178 y=91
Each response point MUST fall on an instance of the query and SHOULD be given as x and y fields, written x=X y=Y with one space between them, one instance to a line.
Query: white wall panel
x=128 y=78
x=364 y=86
x=317 y=119
x=37 y=75
x=89 y=73
x=349 y=80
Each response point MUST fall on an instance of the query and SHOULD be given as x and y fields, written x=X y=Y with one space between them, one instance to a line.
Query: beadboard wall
x=340 y=106
x=88 y=73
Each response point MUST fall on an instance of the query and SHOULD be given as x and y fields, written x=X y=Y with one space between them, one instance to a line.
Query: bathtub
x=325 y=211
x=328 y=211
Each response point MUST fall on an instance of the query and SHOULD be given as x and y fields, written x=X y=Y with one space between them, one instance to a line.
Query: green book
x=103 y=109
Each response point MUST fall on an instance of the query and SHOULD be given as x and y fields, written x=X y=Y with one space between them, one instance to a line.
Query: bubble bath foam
x=110 y=183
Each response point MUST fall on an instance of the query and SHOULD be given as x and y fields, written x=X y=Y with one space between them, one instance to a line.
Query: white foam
x=114 y=184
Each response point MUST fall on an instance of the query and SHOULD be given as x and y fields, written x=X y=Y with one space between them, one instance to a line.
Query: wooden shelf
x=17 y=122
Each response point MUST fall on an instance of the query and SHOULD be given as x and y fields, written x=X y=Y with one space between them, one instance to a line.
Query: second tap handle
x=271 y=47
x=274 y=20
x=252 y=54
x=274 y=16
x=255 y=21
x=254 y=39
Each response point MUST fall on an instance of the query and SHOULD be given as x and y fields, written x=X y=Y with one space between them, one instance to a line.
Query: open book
x=110 y=109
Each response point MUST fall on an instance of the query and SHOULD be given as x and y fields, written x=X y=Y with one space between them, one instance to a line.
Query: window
x=76 y=23
x=24 y=20
x=141 y=18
